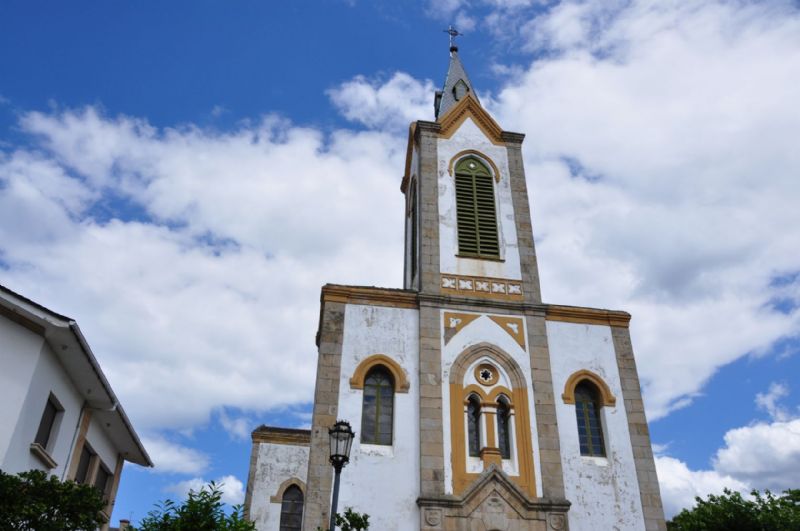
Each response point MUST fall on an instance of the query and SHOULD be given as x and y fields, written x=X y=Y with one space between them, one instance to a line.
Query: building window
x=474 y=426
x=413 y=243
x=377 y=413
x=475 y=209
x=503 y=428
x=84 y=464
x=587 y=410
x=292 y=509
x=102 y=479
x=46 y=425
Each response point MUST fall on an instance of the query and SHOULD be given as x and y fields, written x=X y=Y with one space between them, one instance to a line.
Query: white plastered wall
x=48 y=377
x=382 y=481
x=484 y=330
x=99 y=441
x=469 y=136
x=275 y=463
x=604 y=491
x=19 y=354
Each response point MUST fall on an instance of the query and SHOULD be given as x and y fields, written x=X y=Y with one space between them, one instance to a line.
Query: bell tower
x=468 y=229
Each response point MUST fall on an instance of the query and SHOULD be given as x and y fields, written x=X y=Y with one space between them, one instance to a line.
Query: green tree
x=31 y=500
x=351 y=521
x=731 y=510
x=202 y=511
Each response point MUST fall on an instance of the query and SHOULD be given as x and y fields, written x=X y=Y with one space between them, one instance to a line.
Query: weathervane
x=453 y=34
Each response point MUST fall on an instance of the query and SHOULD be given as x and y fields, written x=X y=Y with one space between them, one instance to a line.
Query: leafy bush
x=732 y=511
x=202 y=511
x=31 y=500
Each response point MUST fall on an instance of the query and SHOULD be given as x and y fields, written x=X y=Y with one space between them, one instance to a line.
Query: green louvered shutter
x=477 y=218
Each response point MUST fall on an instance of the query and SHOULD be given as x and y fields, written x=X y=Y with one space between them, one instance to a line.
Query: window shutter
x=475 y=208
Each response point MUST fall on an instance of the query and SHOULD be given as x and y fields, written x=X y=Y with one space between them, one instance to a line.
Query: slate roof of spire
x=455 y=72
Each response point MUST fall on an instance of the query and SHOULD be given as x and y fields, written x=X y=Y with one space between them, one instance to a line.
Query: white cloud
x=769 y=401
x=386 y=105
x=766 y=455
x=680 y=485
x=231 y=487
x=170 y=457
x=193 y=259
x=662 y=172
x=238 y=428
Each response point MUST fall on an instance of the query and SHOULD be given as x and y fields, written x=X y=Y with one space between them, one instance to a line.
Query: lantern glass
x=341 y=439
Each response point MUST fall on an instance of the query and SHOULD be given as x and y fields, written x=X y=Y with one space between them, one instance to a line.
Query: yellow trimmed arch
x=401 y=383
x=278 y=497
x=607 y=398
x=476 y=154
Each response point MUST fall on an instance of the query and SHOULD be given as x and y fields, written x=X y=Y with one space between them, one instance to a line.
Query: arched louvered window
x=474 y=426
x=587 y=410
x=503 y=427
x=377 y=413
x=292 y=509
x=475 y=208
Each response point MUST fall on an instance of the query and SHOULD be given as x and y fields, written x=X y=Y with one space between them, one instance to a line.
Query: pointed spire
x=456 y=85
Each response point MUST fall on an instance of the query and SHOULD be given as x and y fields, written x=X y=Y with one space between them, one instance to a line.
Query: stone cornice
x=274 y=435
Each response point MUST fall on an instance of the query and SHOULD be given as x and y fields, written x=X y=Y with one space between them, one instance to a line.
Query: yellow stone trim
x=606 y=397
x=278 y=497
x=482 y=287
x=575 y=314
x=504 y=322
x=80 y=441
x=518 y=398
x=495 y=374
x=456 y=321
x=369 y=296
x=300 y=438
x=401 y=384
x=463 y=154
x=469 y=107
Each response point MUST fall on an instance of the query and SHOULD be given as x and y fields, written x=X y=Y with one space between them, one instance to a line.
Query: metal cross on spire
x=453 y=34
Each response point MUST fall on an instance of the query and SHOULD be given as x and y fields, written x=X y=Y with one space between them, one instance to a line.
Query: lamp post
x=341 y=438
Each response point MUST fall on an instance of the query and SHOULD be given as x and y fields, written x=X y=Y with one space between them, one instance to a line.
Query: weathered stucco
x=469 y=136
x=382 y=481
x=274 y=464
x=604 y=491
x=483 y=330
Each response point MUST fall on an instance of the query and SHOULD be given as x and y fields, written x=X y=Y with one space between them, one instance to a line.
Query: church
x=476 y=406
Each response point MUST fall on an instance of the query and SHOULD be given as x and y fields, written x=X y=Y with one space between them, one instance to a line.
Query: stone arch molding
x=278 y=497
x=607 y=398
x=475 y=154
x=475 y=352
x=401 y=383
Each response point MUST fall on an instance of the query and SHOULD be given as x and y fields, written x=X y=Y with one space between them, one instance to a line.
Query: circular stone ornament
x=486 y=374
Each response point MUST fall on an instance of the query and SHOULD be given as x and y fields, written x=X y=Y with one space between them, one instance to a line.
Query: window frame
x=589 y=420
x=287 y=526
x=473 y=419
x=382 y=390
x=504 y=427
x=54 y=423
x=482 y=222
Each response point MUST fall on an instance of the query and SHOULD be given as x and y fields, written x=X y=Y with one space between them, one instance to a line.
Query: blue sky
x=182 y=177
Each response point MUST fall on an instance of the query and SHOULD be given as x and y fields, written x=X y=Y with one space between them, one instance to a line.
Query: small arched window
x=503 y=427
x=377 y=411
x=475 y=209
x=292 y=509
x=474 y=426
x=587 y=410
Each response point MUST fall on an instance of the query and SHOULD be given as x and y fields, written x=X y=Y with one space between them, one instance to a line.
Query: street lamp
x=341 y=435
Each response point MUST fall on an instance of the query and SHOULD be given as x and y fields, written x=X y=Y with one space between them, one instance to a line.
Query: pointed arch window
x=474 y=426
x=587 y=410
x=475 y=209
x=503 y=427
x=292 y=509
x=377 y=411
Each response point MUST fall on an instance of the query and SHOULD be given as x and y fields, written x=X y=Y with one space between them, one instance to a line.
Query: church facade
x=476 y=406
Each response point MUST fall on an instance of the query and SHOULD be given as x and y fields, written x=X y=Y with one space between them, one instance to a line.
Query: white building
x=476 y=405
x=58 y=412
